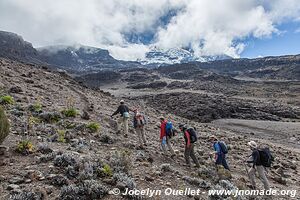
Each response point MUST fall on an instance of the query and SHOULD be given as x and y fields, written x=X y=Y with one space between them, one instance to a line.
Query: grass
x=4 y=125
x=105 y=171
x=93 y=127
x=70 y=112
x=37 y=107
x=61 y=136
x=8 y=100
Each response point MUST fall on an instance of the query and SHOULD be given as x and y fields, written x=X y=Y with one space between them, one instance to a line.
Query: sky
x=130 y=28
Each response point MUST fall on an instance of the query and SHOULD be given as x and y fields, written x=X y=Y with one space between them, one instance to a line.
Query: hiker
x=139 y=122
x=164 y=138
x=220 y=151
x=190 y=138
x=257 y=165
x=124 y=112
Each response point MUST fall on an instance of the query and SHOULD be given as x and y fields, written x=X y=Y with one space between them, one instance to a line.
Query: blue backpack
x=169 y=129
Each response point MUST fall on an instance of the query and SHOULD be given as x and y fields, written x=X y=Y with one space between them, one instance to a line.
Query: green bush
x=93 y=127
x=25 y=147
x=7 y=100
x=37 y=107
x=105 y=171
x=70 y=112
x=61 y=136
x=4 y=125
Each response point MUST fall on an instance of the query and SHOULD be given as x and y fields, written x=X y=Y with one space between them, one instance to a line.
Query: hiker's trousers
x=123 y=121
x=140 y=131
x=169 y=145
x=262 y=175
x=190 y=153
x=221 y=160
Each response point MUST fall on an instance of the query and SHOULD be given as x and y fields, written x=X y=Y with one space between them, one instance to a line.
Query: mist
x=129 y=29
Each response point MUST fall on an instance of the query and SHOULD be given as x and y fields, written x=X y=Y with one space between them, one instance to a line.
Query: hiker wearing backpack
x=220 y=151
x=259 y=158
x=123 y=110
x=164 y=137
x=190 y=137
x=139 y=122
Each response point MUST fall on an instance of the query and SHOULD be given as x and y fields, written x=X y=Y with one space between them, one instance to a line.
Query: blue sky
x=285 y=43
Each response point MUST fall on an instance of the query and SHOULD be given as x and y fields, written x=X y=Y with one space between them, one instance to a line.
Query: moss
x=7 y=100
x=4 y=125
x=93 y=127
x=70 y=112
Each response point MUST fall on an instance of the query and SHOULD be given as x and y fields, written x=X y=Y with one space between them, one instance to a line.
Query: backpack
x=193 y=135
x=223 y=146
x=169 y=129
x=126 y=114
x=140 y=120
x=266 y=157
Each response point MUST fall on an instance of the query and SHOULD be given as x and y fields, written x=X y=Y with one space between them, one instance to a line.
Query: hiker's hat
x=252 y=144
x=161 y=117
x=122 y=101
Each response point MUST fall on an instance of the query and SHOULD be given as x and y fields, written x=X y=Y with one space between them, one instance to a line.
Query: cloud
x=129 y=28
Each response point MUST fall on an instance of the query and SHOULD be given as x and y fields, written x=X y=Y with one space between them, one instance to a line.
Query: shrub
x=121 y=161
x=4 y=125
x=70 y=112
x=37 y=107
x=7 y=100
x=50 y=117
x=93 y=127
x=105 y=171
x=61 y=136
x=25 y=147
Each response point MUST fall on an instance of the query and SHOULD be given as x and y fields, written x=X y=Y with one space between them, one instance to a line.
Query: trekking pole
x=246 y=170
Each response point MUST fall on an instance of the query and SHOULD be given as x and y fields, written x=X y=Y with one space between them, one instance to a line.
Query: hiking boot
x=251 y=187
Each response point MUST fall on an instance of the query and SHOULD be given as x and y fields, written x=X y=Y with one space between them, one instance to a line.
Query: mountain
x=174 y=56
x=81 y=58
x=277 y=67
x=75 y=59
x=14 y=47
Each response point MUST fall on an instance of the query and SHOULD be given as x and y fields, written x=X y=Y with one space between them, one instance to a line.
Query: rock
x=280 y=180
x=149 y=178
x=13 y=187
x=166 y=168
x=85 y=115
x=16 y=180
x=15 y=89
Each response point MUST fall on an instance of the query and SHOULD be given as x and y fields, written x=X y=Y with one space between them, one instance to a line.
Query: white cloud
x=209 y=27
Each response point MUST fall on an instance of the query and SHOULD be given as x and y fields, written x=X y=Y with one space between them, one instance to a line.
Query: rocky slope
x=70 y=161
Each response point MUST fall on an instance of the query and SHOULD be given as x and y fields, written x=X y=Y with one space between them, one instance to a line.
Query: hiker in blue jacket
x=220 y=157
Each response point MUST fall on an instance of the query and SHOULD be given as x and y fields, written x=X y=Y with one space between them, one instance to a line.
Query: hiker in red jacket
x=190 y=137
x=164 y=139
